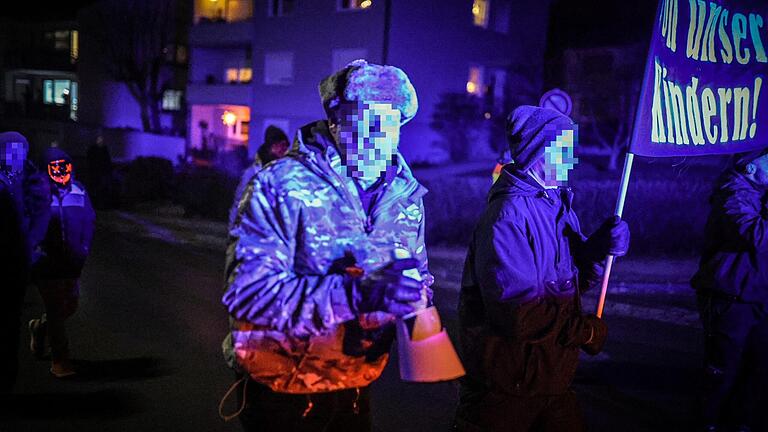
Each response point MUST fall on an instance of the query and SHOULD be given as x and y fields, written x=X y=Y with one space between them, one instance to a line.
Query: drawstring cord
x=232 y=388
x=244 y=380
x=355 y=405
x=310 y=405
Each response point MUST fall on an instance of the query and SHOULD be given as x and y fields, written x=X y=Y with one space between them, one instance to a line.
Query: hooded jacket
x=68 y=240
x=294 y=328
x=735 y=258
x=520 y=316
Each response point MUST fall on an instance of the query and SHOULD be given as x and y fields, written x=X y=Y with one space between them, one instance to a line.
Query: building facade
x=258 y=62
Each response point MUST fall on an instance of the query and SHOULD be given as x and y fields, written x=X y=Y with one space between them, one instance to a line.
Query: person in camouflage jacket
x=312 y=287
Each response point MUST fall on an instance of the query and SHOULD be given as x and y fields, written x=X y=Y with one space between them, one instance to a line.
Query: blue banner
x=703 y=87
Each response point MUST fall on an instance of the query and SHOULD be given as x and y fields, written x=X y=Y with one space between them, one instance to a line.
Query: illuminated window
x=475 y=81
x=278 y=68
x=223 y=10
x=74 y=46
x=342 y=57
x=278 y=8
x=238 y=75
x=74 y=102
x=172 y=100
x=480 y=9
x=56 y=92
x=354 y=4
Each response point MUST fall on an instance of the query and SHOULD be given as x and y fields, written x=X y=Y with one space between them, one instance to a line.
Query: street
x=148 y=331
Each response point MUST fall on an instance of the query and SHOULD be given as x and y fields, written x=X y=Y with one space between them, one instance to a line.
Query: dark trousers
x=10 y=316
x=736 y=362
x=266 y=411
x=505 y=413
x=60 y=297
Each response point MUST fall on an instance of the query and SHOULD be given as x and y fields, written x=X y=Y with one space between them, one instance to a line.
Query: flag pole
x=628 y=159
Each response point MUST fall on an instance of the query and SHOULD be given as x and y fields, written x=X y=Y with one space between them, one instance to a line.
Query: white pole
x=619 y=212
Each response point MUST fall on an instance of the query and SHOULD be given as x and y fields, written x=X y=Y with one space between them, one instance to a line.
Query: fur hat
x=529 y=131
x=363 y=81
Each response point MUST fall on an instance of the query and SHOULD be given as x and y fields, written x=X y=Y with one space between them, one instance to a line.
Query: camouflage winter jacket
x=294 y=328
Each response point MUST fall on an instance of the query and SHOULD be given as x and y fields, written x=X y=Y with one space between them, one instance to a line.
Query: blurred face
x=279 y=149
x=15 y=156
x=368 y=134
x=553 y=169
x=60 y=171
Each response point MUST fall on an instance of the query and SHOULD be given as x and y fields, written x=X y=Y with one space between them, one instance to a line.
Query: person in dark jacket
x=23 y=213
x=520 y=317
x=66 y=247
x=275 y=146
x=732 y=293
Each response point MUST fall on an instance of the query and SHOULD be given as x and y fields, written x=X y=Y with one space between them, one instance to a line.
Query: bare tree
x=133 y=36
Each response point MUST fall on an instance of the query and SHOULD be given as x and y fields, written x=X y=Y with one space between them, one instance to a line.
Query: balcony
x=217 y=94
x=222 y=33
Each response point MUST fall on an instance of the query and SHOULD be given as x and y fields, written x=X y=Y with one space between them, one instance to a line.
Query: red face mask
x=60 y=171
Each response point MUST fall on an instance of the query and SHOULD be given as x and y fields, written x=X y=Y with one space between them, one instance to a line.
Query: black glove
x=387 y=290
x=612 y=238
x=598 y=335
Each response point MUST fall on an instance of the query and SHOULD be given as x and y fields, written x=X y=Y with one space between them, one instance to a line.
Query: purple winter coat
x=735 y=258
x=520 y=315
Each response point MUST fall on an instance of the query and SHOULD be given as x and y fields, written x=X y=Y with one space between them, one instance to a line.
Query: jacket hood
x=513 y=182
x=53 y=154
x=530 y=129
x=733 y=181
x=6 y=138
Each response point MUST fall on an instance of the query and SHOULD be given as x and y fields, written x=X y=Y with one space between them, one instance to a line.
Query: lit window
x=61 y=40
x=245 y=75
x=355 y=4
x=223 y=10
x=475 y=80
x=231 y=75
x=480 y=12
x=56 y=92
x=74 y=46
x=278 y=68
x=238 y=75
x=74 y=102
x=278 y=8
x=48 y=92
x=172 y=100
x=342 y=57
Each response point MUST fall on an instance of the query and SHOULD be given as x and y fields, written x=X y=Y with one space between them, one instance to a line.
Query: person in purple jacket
x=520 y=318
x=66 y=247
x=732 y=292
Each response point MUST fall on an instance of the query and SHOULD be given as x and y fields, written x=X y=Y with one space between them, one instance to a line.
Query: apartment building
x=258 y=62
x=39 y=70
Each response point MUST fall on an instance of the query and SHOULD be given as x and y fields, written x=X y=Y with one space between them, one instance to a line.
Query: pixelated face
x=559 y=158
x=60 y=171
x=368 y=134
x=15 y=156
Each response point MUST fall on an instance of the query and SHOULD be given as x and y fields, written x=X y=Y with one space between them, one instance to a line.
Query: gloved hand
x=387 y=290
x=612 y=238
x=598 y=335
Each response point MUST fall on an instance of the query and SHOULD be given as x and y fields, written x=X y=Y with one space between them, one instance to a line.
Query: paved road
x=150 y=324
